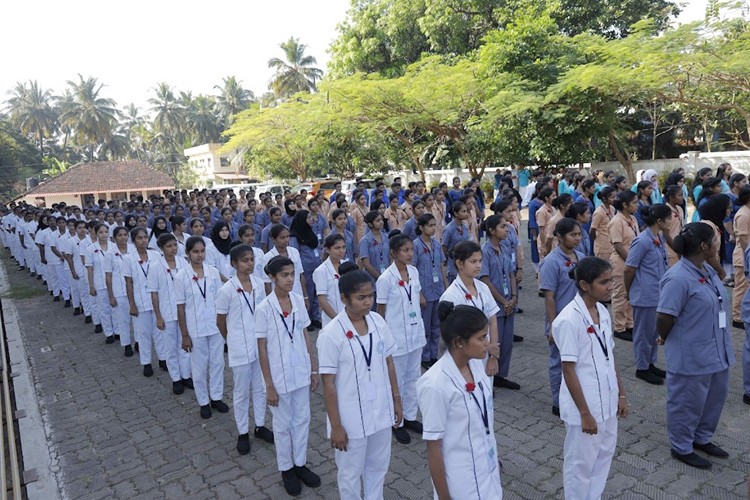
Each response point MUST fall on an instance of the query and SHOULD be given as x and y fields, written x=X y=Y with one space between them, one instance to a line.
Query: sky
x=131 y=46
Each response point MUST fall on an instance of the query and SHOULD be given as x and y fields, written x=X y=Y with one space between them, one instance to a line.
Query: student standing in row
x=326 y=278
x=454 y=233
x=428 y=260
x=593 y=395
x=290 y=372
x=97 y=255
x=467 y=289
x=674 y=200
x=603 y=215
x=280 y=239
x=399 y=299
x=164 y=301
x=623 y=229
x=236 y=303
x=246 y=234
x=359 y=378
x=117 y=291
x=500 y=278
x=455 y=398
x=340 y=222
x=195 y=290
x=543 y=217
x=579 y=211
x=139 y=264
x=78 y=276
x=559 y=289
x=305 y=241
x=692 y=322
x=741 y=226
x=644 y=269
x=373 y=248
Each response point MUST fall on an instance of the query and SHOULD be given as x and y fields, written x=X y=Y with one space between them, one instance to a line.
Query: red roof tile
x=104 y=176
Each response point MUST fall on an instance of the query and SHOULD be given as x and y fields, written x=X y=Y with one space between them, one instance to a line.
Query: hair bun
x=445 y=308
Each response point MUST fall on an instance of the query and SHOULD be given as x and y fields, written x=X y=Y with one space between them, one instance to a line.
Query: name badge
x=368 y=389
x=513 y=258
x=722 y=319
x=320 y=237
x=317 y=253
x=382 y=269
x=435 y=277
x=413 y=318
x=491 y=455
x=505 y=289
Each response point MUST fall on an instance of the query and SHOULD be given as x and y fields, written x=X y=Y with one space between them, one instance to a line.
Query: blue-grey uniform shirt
x=648 y=255
x=310 y=257
x=554 y=276
x=410 y=228
x=429 y=264
x=509 y=246
x=696 y=298
x=585 y=245
x=351 y=248
x=377 y=253
x=319 y=226
x=454 y=233
x=497 y=267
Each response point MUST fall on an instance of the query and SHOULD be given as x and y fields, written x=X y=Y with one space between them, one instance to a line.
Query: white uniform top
x=326 y=281
x=576 y=335
x=77 y=248
x=198 y=296
x=285 y=342
x=43 y=237
x=403 y=313
x=181 y=245
x=459 y=295
x=258 y=271
x=452 y=414
x=113 y=227
x=298 y=270
x=64 y=245
x=161 y=280
x=116 y=266
x=240 y=307
x=59 y=244
x=364 y=394
x=220 y=261
x=96 y=258
x=138 y=271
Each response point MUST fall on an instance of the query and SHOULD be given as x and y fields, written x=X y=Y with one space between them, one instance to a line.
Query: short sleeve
x=418 y=284
x=489 y=300
x=127 y=269
x=548 y=275
x=179 y=291
x=152 y=282
x=222 y=300
x=382 y=289
x=388 y=339
x=485 y=271
x=88 y=260
x=615 y=231
x=108 y=263
x=321 y=283
x=447 y=237
x=328 y=355
x=636 y=253
x=304 y=317
x=262 y=320
x=434 y=407
x=672 y=295
x=566 y=338
x=364 y=248
x=265 y=278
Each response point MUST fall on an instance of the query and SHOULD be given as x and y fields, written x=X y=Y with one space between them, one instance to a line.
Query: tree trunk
x=622 y=157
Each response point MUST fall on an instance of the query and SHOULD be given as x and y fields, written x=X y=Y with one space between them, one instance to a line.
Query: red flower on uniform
x=470 y=387
x=468 y=296
x=401 y=283
x=426 y=251
x=349 y=335
x=239 y=290
x=141 y=262
x=702 y=280
x=195 y=278
x=169 y=271
x=117 y=254
x=568 y=263
x=657 y=243
x=590 y=329
x=336 y=276
x=286 y=314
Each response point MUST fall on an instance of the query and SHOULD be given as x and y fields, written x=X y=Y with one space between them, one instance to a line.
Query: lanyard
x=482 y=412
x=602 y=344
x=406 y=284
x=366 y=354
x=145 y=272
x=202 y=290
x=471 y=297
x=429 y=250
x=244 y=296
x=288 y=332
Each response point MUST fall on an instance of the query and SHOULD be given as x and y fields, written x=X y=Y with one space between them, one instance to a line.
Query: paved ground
x=115 y=434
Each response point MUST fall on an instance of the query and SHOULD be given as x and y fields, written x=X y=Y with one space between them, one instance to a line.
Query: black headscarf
x=221 y=244
x=289 y=211
x=301 y=230
x=155 y=231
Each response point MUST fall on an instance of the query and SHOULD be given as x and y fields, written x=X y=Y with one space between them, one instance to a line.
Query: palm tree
x=203 y=120
x=297 y=73
x=31 y=111
x=91 y=117
x=170 y=116
x=232 y=98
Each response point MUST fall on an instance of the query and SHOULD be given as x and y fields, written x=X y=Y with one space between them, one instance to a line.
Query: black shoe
x=205 y=411
x=711 y=449
x=21 y=268
x=51 y=293
x=649 y=376
x=77 y=311
x=188 y=383
x=220 y=406
x=110 y=340
x=316 y=324
x=98 y=329
x=147 y=370
x=163 y=364
x=291 y=482
x=56 y=299
x=517 y=338
x=504 y=383
x=657 y=371
x=519 y=311
x=541 y=294
x=556 y=410
x=33 y=274
x=693 y=460
x=128 y=351
x=308 y=477
x=629 y=330
x=628 y=337
x=136 y=347
x=38 y=276
x=67 y=303
x=263 y=433
x=117 y=337
x=177 y=387
x=738 y=324
x=746 y=399
x=87 y=320
x=402 y=436
x=243 y=444
x=413 y=425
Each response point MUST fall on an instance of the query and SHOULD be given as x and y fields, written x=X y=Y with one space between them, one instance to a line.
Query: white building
x=212 y=168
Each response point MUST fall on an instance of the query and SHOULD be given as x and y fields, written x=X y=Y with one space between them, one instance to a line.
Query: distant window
x=224 y=162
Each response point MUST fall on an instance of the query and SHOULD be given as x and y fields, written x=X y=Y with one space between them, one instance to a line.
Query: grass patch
x=20 y=292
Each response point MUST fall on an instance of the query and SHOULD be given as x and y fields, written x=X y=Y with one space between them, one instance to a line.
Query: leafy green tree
x=169 y=113
x=232 y=98
x=203 y=120
x=19 y=159
x=91 y=117
x=31 y=110
x=296 y=73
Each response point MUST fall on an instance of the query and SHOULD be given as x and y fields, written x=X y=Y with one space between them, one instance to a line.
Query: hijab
x=301 y=230
x=289 y=211
x=155 y=231
x=221 y=244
